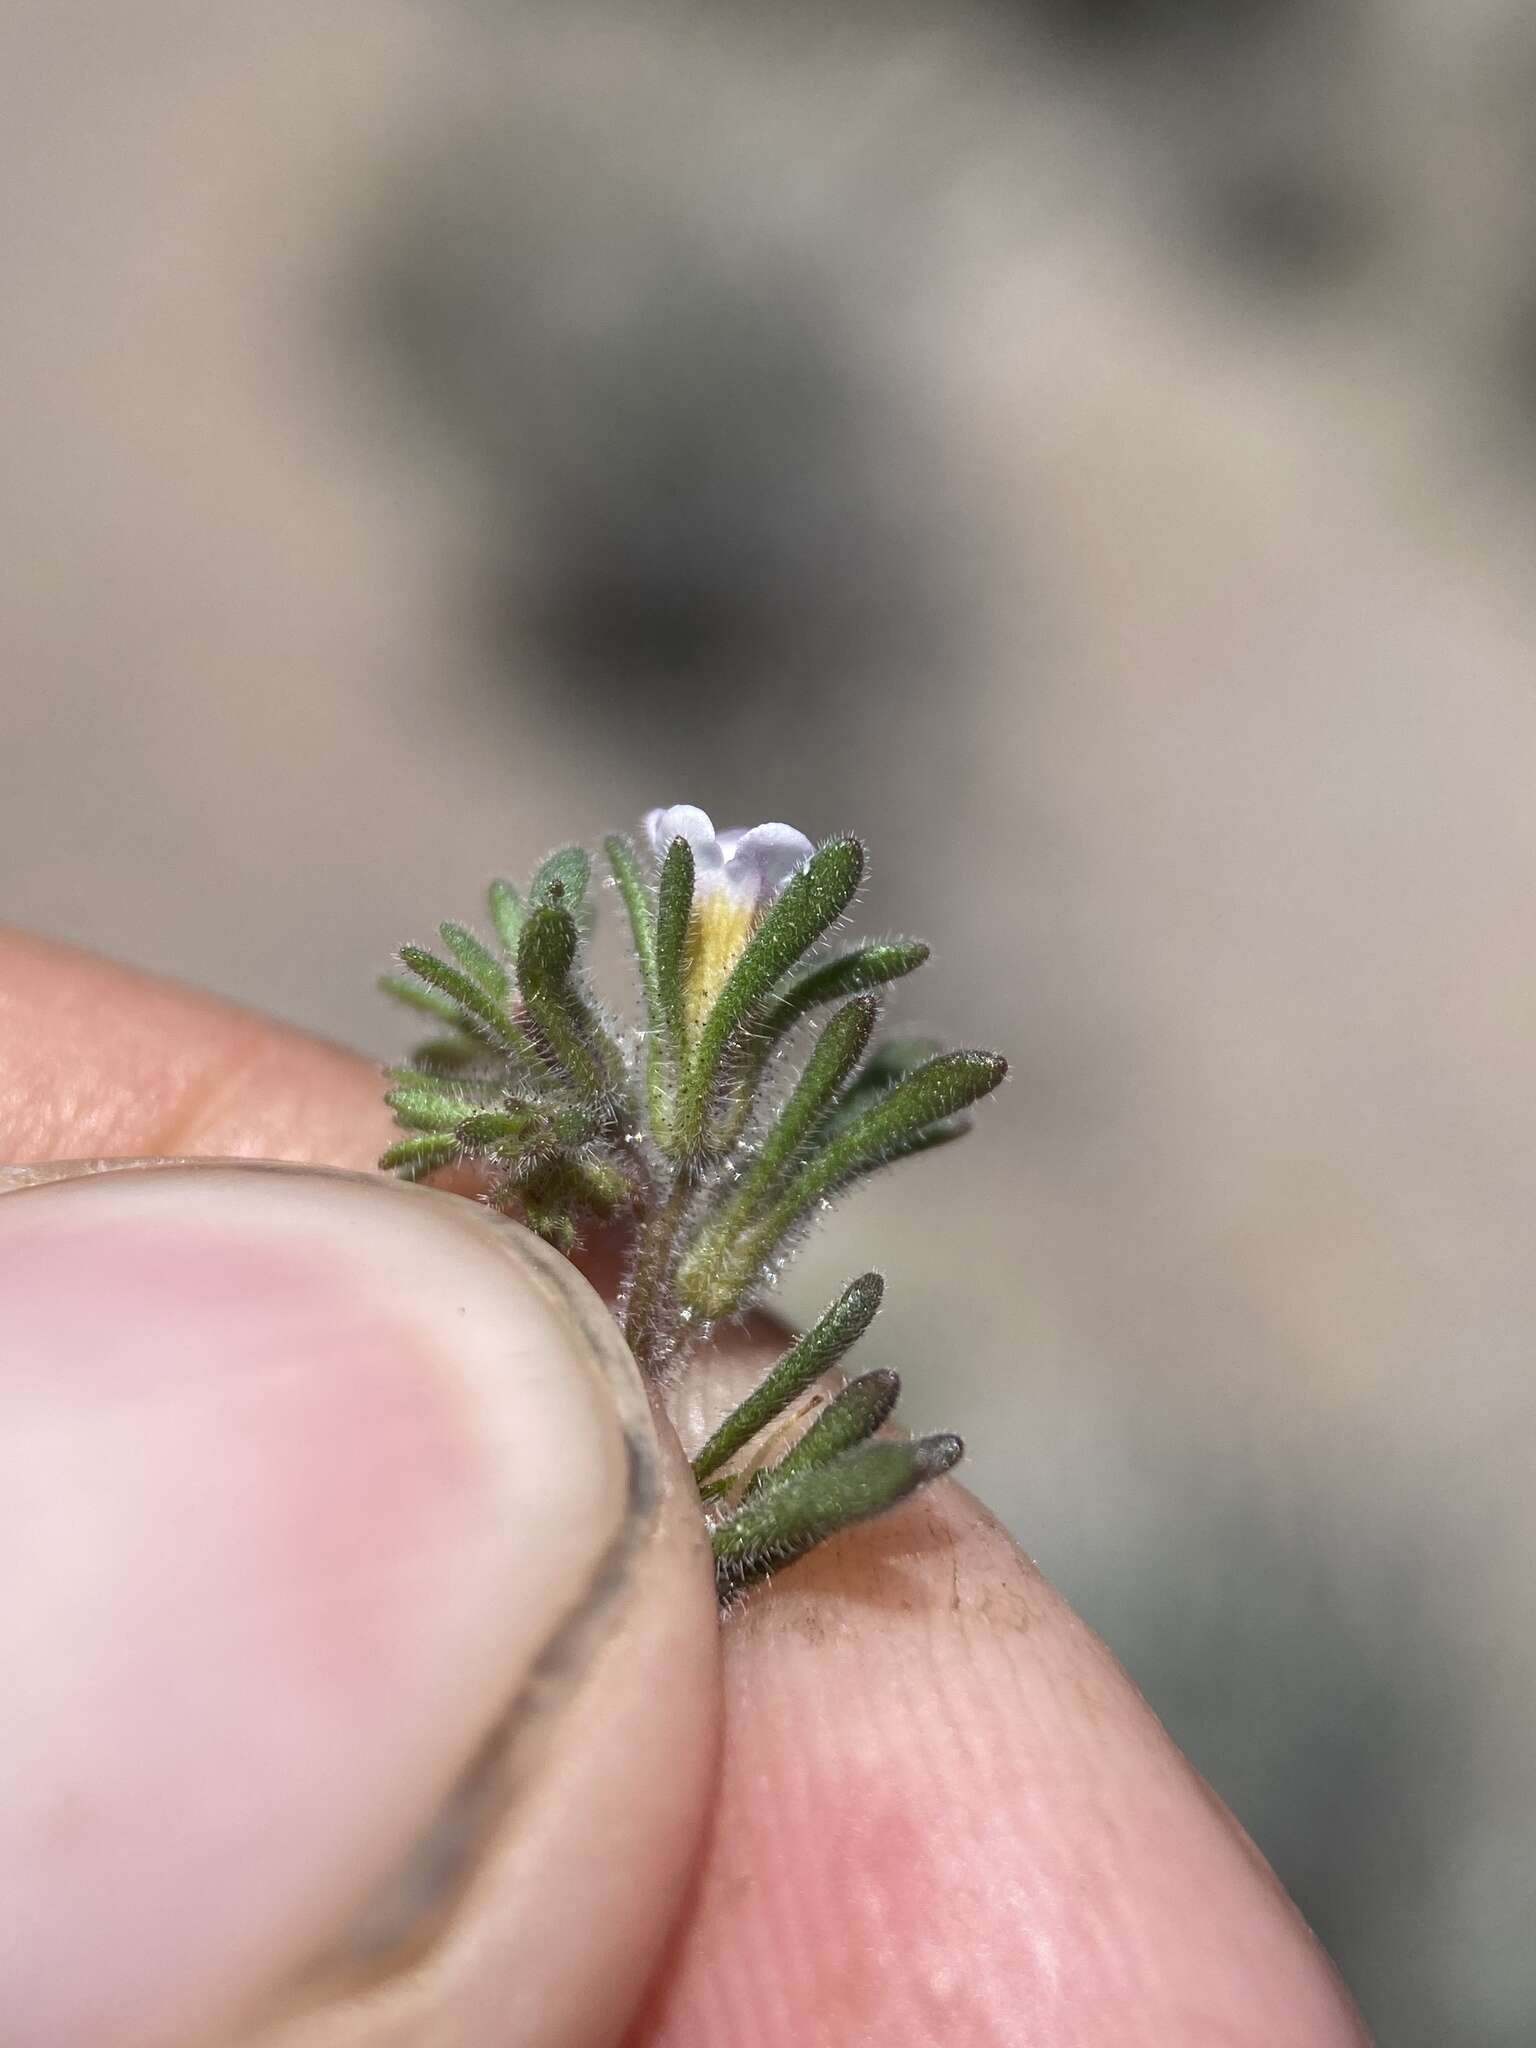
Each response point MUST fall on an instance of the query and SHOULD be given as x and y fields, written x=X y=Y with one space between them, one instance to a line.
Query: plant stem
x=651 y=1306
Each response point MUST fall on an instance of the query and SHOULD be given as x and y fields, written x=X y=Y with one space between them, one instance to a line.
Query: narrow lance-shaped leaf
x=426 y=1109
x=829 y=1338
x=931 y=1094
x=558 y=1190
x=713 y=1278
x=561 y=884
x=478 y=1012
x=862 y=1407
x=928 y=1139
x=779 y=1523
x=430 y=1002
x=546 y=952
x=468 y=1090
x=413 y=1157
x=643 y=918
x=547 y=1203
x=642 y=923
x=890 y=1062
x=476 y=960
x=570 y=1034
x=490 y=1130
x=674 y=912
x=837 y=1052
x=809 y=905
x=506 y=910
x=848 y=974
x=441 y=1058
x=603 y=1187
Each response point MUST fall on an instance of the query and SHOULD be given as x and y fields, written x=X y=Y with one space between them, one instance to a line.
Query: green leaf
x=642 y=922
x=556 y=1192
x=603 y=1188
x=413 y=1157
x=849 y=974
x=506 y=914
x=430 y=1002
x=490 y=1130
x=809 y=905
x=909 y=1117
x=572 y=1124
x=560 y=883
x=549 y=1216
x=555 y=1009
x=780 y=1522
x=440 y=1057
x=891 y=1061
x=546 y=951
x=466 y=1089
x=425 y=1109
x=642 y=925
x=674 y=911
x=929 y=1094
x=854 y=1414
x=837 y=1051
x=928 y=1139
x=829 y=1338
x=476 y=961
x=477 y=1012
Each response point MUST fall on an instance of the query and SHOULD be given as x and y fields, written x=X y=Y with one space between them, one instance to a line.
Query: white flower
x=736 y=875
x=752 y=864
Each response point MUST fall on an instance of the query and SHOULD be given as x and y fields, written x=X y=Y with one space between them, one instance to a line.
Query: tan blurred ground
x=1216 y=791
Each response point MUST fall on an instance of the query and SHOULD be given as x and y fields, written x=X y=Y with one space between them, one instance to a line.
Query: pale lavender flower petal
x=759 y=862
x=685 y=821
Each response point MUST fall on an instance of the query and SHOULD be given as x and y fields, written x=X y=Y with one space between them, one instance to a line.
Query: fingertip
x=948 y=1817
x=331 y=1499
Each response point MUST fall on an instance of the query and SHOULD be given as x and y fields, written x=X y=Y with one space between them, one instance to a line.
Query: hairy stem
x=651 y=1310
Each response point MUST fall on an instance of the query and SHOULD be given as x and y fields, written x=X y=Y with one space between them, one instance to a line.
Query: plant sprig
x=697 y=1128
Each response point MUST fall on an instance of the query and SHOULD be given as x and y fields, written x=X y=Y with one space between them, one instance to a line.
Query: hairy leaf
x=478 y=1012
x=561 y=884
x=910 y=1116
x=780 y=1522
x=506 y=910
x=476 y=960
x=830 y=1337
x=557 y=1011
x=413 y=1157
x=862 y=1407
x=425 y=1109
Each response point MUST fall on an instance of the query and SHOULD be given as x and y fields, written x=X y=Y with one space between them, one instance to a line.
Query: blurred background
x=1088 y=446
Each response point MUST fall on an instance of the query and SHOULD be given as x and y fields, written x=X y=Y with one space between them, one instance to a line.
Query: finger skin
x=946 y=1816
x=616 y=1755
x=97 y=1060
x=343 y=1552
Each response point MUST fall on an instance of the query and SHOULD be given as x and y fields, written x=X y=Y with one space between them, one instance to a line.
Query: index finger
x=96 y=1059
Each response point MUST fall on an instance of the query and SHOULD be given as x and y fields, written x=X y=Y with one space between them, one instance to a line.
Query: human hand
x=362 y=1685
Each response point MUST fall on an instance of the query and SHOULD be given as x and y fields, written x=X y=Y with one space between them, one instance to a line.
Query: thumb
x=361 y=1683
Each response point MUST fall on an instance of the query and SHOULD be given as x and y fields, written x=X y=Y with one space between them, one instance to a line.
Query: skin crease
x=944 y=1815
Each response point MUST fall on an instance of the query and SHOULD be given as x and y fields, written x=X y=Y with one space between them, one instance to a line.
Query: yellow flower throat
x=718 y=928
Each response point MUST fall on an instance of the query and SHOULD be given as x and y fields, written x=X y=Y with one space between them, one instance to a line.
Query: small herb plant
x=754 y=1092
